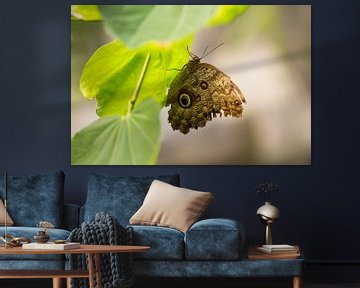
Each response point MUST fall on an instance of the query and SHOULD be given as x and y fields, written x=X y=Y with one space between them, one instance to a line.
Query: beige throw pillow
x=170 y=206
x=9 y=221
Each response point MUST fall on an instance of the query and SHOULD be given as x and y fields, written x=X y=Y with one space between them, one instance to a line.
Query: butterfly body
x=199 y=92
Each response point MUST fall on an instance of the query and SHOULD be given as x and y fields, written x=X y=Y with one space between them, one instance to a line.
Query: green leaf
x=227 y=13
x=110 y=77
x=85 y=12
x=120 y=140
x=112 y=73
x=138 y=24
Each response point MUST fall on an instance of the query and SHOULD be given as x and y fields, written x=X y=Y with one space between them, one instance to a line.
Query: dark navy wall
x=318 y=203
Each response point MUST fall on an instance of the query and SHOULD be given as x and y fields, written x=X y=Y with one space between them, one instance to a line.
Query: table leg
x=297 y=282
x=98 y=270
x=57 y=283
x=68 y=282
x=91 y=270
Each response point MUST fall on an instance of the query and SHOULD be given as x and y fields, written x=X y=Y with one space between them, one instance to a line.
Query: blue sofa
x=32 y=199
x=210 y=248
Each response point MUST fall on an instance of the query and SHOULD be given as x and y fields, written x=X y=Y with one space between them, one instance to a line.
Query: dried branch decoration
x=265 y=189
x=45 y=225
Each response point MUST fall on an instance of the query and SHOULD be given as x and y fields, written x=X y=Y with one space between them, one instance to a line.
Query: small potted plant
x=41 y=236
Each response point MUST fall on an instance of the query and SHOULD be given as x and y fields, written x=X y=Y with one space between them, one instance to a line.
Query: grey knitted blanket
x=116 y=268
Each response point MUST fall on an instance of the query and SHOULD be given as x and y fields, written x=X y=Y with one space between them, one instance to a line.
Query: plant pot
x=41 y=237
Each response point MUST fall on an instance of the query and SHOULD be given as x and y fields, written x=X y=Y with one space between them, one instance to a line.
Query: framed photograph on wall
x=191 y=85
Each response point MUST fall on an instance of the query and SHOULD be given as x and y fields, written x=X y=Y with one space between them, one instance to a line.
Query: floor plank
x=46 y=283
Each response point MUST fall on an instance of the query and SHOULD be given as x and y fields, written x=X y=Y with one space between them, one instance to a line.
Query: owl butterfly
x=200 y=92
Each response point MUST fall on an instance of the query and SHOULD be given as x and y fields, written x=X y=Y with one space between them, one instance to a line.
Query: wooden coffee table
x=93 y=251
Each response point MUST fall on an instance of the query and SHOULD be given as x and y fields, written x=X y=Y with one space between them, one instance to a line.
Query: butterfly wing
x=227 y=98
x=199 y=92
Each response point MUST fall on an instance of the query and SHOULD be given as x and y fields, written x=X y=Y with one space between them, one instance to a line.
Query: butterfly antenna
x=192 y=55
x=222 y=43
x=202 y=55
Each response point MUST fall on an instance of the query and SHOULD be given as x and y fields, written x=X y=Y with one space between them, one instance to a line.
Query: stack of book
x=51 y=246
x=278 y=249
x=282 y=251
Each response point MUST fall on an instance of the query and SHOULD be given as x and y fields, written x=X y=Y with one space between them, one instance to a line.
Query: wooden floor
x=338 y=285
x=45 y=283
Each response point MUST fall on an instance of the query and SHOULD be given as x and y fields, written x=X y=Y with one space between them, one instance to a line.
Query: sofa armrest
x=71 y=216
x=215 y=239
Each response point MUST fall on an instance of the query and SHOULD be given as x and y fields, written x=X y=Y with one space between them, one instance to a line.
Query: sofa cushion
x=166 y=205
x=214 y=269
x=29 y=232
x=120 y=196
x=35 y=198
x=214 y=239
x=39 y=264
x=9 y=221
x=165 y=243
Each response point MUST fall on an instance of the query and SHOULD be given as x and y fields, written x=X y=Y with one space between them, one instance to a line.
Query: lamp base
x=268 y=237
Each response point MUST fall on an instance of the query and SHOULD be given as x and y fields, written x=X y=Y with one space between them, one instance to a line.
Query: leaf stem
x=138 y=85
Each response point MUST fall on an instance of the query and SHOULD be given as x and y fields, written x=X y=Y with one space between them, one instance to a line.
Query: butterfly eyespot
x=203 y=85
x=184 y=100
